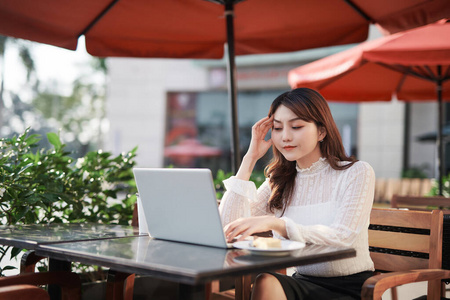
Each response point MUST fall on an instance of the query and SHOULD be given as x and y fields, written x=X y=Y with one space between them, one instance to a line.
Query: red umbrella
x=188 y=149
x=198 y=29
x=191 y=147
x=413 y=65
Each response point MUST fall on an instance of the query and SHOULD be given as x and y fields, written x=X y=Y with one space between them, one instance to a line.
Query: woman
x=314 y=193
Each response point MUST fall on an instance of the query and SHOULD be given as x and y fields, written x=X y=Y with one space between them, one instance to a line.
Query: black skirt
x=302 y=287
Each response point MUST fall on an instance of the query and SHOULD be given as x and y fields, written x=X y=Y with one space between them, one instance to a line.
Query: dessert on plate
x=266 y=243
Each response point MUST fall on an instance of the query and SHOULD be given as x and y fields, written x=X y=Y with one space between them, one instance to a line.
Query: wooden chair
x=24 y=286
x=421 y=202
x=28 y=262
x=408 y=246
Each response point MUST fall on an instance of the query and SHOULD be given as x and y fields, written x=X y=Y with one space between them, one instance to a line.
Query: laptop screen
x=180 y=205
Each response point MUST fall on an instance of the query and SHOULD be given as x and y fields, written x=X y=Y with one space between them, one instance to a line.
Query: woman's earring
x=321 y=141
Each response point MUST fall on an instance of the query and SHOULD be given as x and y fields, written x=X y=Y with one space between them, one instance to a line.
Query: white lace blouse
x=329 y=207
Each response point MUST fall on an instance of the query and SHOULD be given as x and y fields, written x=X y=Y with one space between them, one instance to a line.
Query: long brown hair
x=309 y=106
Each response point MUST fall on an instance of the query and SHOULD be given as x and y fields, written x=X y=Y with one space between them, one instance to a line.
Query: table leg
x=57 y=265
x=243 y=287
x=191 y=292
x=119 y=285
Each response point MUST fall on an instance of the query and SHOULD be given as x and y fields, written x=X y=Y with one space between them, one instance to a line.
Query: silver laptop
x=180 y=205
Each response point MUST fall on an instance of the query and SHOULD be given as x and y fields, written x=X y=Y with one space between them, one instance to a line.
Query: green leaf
x=24 y=168
x=53 y=138
x=42 y=269
x=21 y=212
x=8 y=268
x=3 y=250
x=15 y=251
x=33 y=139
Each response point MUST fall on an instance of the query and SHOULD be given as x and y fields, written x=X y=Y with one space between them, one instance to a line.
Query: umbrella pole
x=232 y=92
x=440 y=144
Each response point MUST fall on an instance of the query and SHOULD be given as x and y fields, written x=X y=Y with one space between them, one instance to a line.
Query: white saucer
x=287 y=247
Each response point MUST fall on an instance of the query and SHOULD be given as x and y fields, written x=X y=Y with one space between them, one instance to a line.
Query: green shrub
x=414 y=172
x=445 y=187
x=49 y=186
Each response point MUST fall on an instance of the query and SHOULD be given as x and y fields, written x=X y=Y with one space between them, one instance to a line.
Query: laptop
x=180 y=205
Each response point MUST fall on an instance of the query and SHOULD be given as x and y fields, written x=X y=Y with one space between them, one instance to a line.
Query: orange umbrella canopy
x=200 y=28
x=413 y=65
x=196 y=28
x=406 y=64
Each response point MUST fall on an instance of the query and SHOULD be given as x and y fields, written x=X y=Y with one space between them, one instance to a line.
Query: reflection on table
x=29 y=236
x=180 y=262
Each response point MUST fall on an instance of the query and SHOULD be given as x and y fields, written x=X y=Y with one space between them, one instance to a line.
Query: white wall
x=136 y=103
x=380 y=137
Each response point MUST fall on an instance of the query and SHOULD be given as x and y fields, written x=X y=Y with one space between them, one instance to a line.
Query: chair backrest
x=421 y=202
x=402 y=240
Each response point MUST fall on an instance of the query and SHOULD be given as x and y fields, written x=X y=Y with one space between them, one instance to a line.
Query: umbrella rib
x=447 y=74
x=400 y=83
x=359 y=11
x=430 y=72
x=423 y=72
x=417 y=70
x=98 y=17
x=408 y=71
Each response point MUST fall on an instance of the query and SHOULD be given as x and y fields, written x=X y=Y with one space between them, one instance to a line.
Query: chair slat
x=410 y=219
x=408 y=201
x=390 y=262
x=400 y=241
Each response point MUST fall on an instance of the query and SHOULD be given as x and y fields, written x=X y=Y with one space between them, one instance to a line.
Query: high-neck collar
x=314 y=168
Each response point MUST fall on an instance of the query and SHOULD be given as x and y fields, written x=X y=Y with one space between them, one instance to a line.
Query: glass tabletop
x=180 y=262
x=29 y=236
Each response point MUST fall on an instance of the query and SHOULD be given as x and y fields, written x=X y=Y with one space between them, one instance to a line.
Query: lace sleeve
x=354 y=203
x=241 y=199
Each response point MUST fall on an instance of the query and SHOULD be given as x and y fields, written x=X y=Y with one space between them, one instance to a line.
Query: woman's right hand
x=258 y=145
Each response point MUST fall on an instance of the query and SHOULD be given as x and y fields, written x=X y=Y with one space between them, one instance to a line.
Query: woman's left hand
x=246 y=227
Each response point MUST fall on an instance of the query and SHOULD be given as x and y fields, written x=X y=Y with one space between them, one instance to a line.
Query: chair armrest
x=69 y=282
x=375 y=286
x=28 y=261
x=23 y=291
